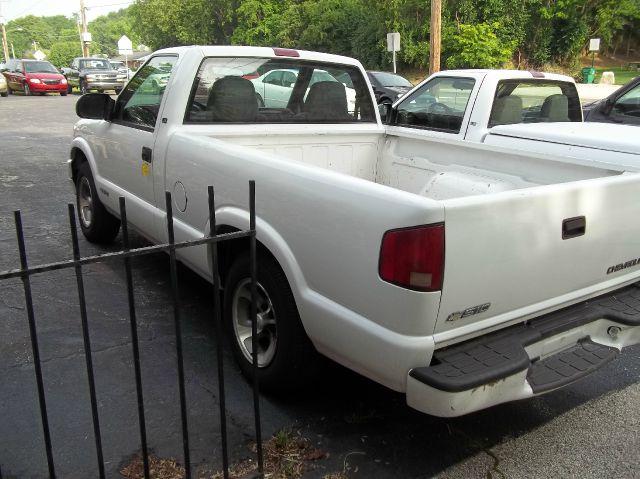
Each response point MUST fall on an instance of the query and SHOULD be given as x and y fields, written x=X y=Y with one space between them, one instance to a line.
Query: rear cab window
x=526 y=101
x=274 y=90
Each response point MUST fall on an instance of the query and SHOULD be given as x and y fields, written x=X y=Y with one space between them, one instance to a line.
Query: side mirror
x=385 y=112
x=607 y=106
x=95 y=106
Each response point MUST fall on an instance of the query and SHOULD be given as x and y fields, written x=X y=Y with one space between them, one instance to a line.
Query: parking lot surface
x=589 y=429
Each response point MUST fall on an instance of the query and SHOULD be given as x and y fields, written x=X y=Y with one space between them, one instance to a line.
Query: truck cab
x=466 y=104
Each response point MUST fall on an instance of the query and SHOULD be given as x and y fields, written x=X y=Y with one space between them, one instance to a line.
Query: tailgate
x=506 y=259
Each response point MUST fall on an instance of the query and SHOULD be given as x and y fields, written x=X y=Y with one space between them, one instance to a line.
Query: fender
x=271 y=239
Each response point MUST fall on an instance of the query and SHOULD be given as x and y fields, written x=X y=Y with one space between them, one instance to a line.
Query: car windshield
x=391 y=79
x=95 y=64
x=39 y=67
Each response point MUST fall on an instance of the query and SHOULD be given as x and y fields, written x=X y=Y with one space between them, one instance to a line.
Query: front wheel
x=286 y=357
x=96 y=223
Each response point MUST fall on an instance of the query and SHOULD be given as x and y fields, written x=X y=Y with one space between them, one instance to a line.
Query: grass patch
x=622 y=74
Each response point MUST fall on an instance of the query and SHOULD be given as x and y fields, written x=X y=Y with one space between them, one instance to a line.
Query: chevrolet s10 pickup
x=462 y=274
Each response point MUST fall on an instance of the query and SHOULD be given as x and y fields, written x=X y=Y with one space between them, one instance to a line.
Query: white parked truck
x=461 y=274
x=530 y=111
x=468 y=104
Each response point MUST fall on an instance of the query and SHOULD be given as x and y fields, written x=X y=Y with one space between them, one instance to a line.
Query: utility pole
x=84 y=34
x=434 y=36
x=5 y=45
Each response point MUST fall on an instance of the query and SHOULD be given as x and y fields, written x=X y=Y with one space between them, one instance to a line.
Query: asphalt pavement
x=587 y=430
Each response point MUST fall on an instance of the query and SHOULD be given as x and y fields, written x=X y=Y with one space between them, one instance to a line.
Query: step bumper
x=528 y=359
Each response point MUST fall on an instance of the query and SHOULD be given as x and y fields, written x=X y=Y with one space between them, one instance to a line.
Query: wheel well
x=77 y=159
x=229 y=250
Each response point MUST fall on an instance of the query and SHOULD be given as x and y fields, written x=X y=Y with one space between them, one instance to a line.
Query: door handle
x=147 y=154
x=574 y=227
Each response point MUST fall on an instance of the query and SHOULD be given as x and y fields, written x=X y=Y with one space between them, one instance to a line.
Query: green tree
x=477 y=46
x=267 y=23
x=108 y=29
x=61 y=53
x=164 y=23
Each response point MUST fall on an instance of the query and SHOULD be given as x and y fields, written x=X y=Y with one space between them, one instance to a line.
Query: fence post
x=134 y=338
x=176 y=316
x=34 y=342
x=86 y=339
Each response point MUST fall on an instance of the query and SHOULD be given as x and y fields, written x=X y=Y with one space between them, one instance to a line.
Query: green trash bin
x=588 y=74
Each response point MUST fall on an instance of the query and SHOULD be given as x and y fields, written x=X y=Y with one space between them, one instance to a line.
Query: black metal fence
x=25 y=272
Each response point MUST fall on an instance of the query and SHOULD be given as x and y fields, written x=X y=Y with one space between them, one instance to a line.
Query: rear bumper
x=528 y=359
x=43 y=87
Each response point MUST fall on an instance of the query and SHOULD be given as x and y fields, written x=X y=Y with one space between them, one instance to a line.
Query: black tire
x=63 y=93
x=27 y=90
x=293 y=360
x=96 y=223
x=5 y=93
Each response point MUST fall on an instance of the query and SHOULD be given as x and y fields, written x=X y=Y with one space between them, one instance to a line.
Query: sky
x=12 y=9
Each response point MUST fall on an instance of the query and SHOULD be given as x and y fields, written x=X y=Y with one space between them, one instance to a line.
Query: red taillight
x=413 y=257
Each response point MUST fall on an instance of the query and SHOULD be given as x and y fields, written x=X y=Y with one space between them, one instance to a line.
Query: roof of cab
x=260 y=52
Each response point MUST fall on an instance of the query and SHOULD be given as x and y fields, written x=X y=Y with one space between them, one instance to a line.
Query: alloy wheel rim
x=85 y=202
x=267 y=331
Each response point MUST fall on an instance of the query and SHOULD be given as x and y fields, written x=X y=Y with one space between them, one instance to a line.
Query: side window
x=628 y=104
x=273 y=78
x=438 y=105
x=139 y=102
x=226 y=90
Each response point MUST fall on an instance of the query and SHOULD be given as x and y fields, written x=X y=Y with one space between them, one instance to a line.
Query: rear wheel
x=27 y=90
x=286 y=356
x=5 y=93
x=96 y=223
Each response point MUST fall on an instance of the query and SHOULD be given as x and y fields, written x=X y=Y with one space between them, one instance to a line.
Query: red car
x=34 y=76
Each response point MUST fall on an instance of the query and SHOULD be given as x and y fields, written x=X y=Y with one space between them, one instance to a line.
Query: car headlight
x=63 y=81
x=90 y=78
x=34 y=80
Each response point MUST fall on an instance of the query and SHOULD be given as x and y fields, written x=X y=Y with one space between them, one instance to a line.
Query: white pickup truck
x=468 y=104
x=461 y=274
x=521 y=110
